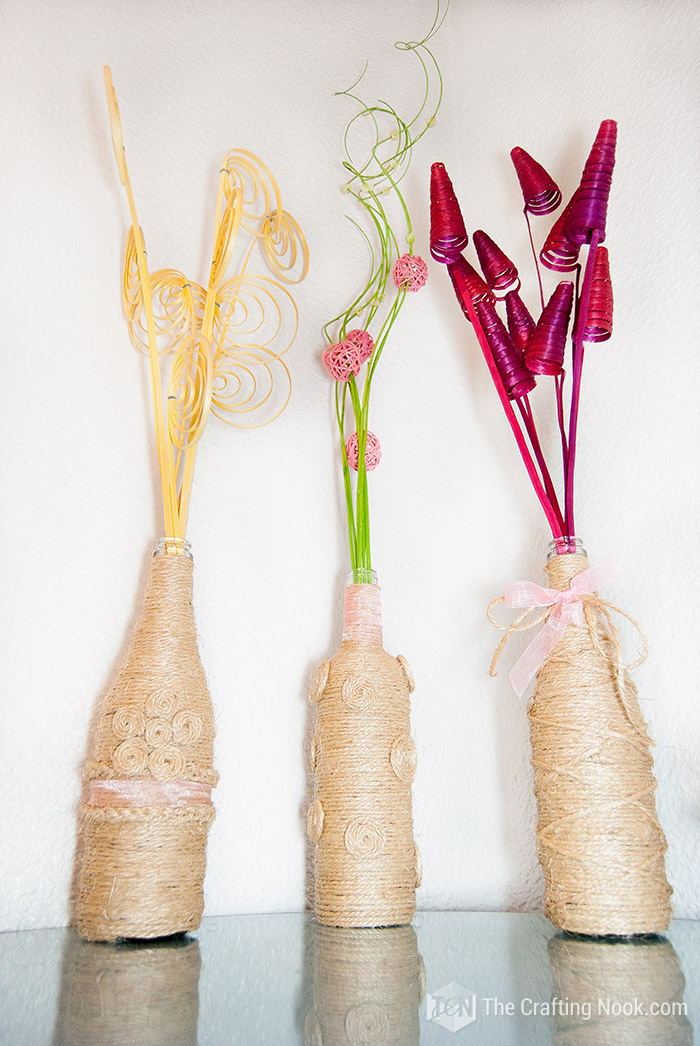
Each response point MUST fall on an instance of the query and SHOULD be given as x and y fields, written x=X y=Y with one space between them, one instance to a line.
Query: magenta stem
x=559 y=386
x=554 y=524
x=534 y=255
x=578 y=347
x=531 y=429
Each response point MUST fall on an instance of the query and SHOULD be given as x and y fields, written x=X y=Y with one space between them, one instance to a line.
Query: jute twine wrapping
x=142 y=866
x=367 y=864
x=593 y=972
x=367 y=987
x=129 y=994
x=599 y=840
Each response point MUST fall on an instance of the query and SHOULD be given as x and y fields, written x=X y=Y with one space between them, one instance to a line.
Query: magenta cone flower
x=591 y=205
x=540 y=191
x=448 y=236
x=520 y=322
x=600 y=305
x=517 y=379
x=468 y=284
x=545 y=350
x=558 y=252
x=500 y=272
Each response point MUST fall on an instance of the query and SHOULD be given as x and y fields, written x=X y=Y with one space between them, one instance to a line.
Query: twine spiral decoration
x=404 y=759
x=162 y=703
x=499 y=271
x=359 y=694
x=590 y=208
x=448 y=235
x=517 y=379
x=318 y=683
x=128 y=722
x=314 y=821
x=158 y=732
x=366 y=1023
x=373 y=451
x=540 y=191
x=167 y=763
x=187 y=727
x=520 y=322
x=544 y=353
x=599 y=317
x=365 y=838
x=130 y=757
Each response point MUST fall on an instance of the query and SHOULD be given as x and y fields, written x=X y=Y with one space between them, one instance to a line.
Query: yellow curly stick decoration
x=225 y=342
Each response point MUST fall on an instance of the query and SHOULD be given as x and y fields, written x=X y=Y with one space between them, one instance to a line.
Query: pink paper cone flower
x=600 y=305
x=364 y=342
x=373 y=451
x=520 y=322
x=342 y=359
x=468 y=284
x=545 y=349
x=410 y=271
x=590 y=209
x=558 y=252
x=448 y=236
x=516 y=378
x=499 y=271
x=540 y=191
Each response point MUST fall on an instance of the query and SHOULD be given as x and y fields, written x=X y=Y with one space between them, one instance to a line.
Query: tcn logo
x=452 y=1007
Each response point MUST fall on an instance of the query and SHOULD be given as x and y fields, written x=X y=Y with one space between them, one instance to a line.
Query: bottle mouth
x=565 y=546
x=362 y=576
x=173 y=547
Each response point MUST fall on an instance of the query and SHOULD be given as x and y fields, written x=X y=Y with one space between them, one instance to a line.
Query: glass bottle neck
x=173 y=547
x=565 y=546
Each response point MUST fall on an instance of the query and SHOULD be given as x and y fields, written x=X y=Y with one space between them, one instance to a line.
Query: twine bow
x=576 y=605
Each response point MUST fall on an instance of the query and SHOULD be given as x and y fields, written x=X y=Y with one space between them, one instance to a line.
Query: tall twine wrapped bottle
x=364 y=761
x=367 y=987
x=144 y=824
x=599 y=840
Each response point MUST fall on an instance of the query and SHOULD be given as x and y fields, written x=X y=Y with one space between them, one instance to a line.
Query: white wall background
x=453 y=518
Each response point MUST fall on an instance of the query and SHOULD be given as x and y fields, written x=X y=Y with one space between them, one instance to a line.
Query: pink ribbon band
x=148 y=792
x=567 y=610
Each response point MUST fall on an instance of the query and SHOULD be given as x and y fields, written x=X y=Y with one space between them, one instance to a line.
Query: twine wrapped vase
x=367 y=987
x=363 y=760
x=599 y=840
x=145 y=821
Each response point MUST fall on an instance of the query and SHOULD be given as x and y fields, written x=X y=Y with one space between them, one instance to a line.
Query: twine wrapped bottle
x=367 y=987
x=145 y=821
x=364 y=761
x=599 y=840
x=603 y=978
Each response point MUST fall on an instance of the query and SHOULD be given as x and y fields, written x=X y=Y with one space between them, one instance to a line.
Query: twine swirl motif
x=131 y=756
x=158 y=732
x=408 y=672
x=314 y=821
x=359 y=694
x=162 y=703
x=365 y=838
x=167 y=763
x=404 y=759
x=318 y=683
x=127 y=722
x=366 y=1023
x=187 y=727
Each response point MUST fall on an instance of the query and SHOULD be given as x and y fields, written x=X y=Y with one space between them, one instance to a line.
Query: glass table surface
x=449 y=979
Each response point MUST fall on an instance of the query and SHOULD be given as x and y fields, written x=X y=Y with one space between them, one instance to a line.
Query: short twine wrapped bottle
x=599 y=840
x=363 y=761
x=145 y=821
x=367 y=987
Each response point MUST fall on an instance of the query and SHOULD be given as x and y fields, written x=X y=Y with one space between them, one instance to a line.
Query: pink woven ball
x=342 y=359
x=373 y=451
x=364 y=342
x=411 y=271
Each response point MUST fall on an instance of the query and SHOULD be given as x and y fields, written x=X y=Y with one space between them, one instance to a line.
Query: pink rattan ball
x=342 y=359
x=411 y=271
x=364 y=342
x=373 y=451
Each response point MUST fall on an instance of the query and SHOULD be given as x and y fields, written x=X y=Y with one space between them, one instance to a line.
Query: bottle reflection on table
x=129 y=994
x=617 y=991
x=367 y=987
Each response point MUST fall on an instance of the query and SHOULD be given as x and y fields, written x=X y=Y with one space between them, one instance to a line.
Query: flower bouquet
x=599 y=840
x=215 y=350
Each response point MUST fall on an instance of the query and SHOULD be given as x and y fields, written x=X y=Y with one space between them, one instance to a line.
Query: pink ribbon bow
x=567 y=610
